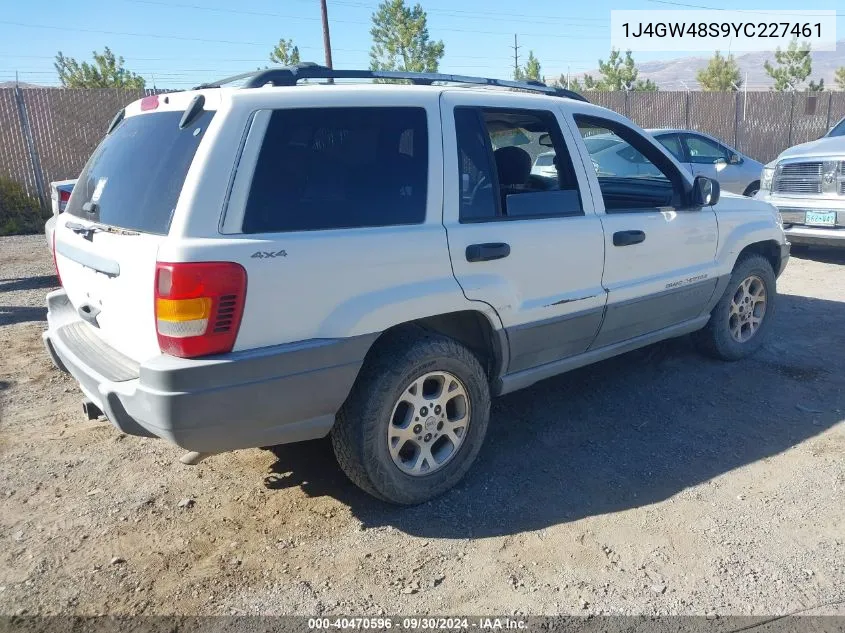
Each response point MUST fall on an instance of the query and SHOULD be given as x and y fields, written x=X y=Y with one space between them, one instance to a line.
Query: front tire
x=415 y=419
x=740 y=322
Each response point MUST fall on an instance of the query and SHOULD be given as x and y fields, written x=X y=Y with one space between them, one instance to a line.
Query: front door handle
x=626 y=238
x=487 y=252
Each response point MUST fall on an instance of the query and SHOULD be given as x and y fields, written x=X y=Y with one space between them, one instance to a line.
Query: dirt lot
x=658 y=482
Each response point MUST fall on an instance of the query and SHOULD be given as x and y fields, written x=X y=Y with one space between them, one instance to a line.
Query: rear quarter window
x=332 y=168
x=134 y=178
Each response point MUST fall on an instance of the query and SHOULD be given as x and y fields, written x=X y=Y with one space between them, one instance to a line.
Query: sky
x=185 y=42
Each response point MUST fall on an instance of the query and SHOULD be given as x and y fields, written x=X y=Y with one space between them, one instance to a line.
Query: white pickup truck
x=807 y=184
x=277 y=262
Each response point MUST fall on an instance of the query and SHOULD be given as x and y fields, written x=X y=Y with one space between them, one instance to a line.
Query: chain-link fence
x=47 y=134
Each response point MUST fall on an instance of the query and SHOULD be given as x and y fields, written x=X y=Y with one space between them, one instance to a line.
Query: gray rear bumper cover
x=272 y=395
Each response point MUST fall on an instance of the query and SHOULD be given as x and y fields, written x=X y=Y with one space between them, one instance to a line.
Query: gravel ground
x=659 y=482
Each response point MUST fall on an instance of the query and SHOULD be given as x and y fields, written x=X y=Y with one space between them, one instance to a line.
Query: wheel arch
x=753 y=186
x=473 y=329
x=769 y=249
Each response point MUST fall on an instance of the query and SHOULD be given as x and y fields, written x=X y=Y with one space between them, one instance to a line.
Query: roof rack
x=290 y=75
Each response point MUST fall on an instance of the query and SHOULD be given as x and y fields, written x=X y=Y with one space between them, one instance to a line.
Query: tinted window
x=531 y=174
x=702 y=150
x=134 y=177
x=671 y=142
x=330 y=168
x=475 y=167
x=633 y=174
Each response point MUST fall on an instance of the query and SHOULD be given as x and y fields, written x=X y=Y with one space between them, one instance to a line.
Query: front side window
x=331 y=168
x=838 y=129
x=673 y=144
x=703 y=151
x=633 y=175
x=513 y=164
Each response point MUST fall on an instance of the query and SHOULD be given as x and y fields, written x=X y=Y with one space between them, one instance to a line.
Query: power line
x=242 y=42
x=698 y=6
x=197 y=7
x=458 y=13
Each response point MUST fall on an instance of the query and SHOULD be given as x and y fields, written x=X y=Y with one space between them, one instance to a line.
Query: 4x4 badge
x=268 y=254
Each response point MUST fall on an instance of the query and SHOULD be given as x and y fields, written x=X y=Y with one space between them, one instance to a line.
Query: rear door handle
x=626 y=238
x=487 y=252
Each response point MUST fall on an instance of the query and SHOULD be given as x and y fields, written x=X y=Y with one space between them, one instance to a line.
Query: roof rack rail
x=290 y=75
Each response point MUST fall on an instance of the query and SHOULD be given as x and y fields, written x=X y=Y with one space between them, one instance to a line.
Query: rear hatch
x=120 y=211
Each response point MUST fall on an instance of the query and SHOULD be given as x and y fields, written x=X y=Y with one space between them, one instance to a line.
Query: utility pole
x=515 y=57
x=327 y=42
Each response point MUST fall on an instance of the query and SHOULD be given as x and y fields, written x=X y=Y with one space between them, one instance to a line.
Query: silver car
x=704 y=155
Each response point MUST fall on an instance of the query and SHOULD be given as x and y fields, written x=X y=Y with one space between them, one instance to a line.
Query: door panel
x=547 y=290
x=659 y=257
x=665 y=279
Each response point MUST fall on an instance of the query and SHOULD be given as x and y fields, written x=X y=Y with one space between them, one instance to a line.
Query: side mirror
x=705 y=191
x=735 y=159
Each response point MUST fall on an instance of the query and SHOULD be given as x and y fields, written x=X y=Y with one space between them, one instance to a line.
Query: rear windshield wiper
x=87 y=231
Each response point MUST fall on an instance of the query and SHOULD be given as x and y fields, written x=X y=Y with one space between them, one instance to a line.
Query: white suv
x=250 y=266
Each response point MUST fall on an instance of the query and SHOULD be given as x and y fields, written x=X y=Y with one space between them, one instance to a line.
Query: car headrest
x=513 y=165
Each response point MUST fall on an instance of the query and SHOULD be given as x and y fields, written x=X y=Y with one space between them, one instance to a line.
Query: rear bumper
x=273 y=395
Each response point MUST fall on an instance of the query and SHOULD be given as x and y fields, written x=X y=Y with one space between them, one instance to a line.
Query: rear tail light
x=55 y=261
x=198 y=307
x=64 y=196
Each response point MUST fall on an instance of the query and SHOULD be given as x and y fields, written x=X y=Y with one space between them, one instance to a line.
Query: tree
x=618 y=74
x=285 y=53
x=794 y=65
x=106 y=71
x=578 y=85
x=839 y=78
x=720 y=74
x=532 y=67
x=401 y=40
x=816 y=87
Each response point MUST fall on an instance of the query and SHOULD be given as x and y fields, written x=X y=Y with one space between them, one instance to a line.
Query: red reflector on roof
x=149 y=103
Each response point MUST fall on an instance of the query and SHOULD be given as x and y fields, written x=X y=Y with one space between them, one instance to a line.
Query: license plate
x=818 y=218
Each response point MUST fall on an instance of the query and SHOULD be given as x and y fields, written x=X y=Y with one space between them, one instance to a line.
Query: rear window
x=332 y=168
x=134 y=177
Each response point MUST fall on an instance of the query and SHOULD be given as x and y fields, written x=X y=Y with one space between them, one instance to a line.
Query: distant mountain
x=11 y=84
x=669 y=74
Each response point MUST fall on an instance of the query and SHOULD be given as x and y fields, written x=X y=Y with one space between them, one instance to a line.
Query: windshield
x=135 y=176
x=838 y=129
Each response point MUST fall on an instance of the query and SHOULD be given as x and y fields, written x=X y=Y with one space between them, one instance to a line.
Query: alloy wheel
x=429 y=423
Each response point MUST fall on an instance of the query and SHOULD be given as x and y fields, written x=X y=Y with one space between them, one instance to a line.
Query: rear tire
x=415 y=419
x=740 y=322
